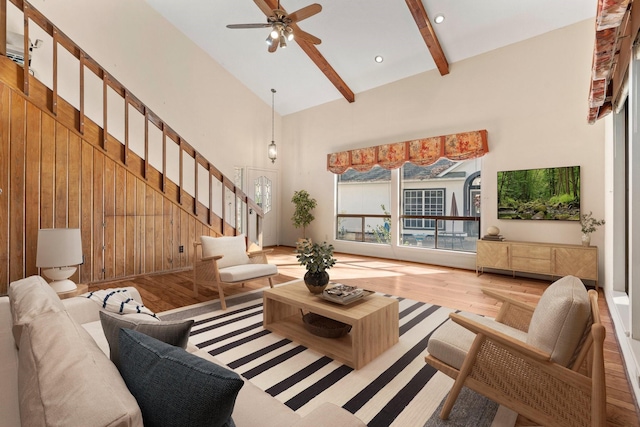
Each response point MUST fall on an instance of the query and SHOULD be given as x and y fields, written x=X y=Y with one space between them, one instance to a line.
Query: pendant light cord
x=273 y=92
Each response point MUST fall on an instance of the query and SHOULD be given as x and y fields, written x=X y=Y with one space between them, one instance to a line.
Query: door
x=262 y=188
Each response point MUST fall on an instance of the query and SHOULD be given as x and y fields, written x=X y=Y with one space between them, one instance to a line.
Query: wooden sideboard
x=551 y=259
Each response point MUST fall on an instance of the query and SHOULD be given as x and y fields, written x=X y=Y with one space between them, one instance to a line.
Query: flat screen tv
x=546 y=193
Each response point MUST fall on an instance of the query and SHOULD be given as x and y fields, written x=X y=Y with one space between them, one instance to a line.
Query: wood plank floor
x=449 y=287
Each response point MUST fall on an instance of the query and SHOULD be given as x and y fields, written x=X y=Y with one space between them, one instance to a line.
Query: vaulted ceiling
x=353 y=33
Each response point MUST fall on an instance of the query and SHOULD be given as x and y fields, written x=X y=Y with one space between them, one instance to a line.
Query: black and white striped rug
x=396 y=389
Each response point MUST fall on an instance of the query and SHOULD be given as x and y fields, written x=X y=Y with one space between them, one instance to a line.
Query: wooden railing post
x=98 y=131
x=26 y=52
x=3 y=27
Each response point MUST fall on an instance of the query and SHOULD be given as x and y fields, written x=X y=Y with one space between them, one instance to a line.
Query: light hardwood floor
x=449 y=287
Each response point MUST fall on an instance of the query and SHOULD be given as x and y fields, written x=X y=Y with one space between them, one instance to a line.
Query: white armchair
x=224 y=260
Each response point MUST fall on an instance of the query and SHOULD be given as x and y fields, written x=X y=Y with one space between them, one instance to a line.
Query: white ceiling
x=353 y=32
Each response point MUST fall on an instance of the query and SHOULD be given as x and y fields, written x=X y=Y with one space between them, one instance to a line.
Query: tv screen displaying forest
x=549 y=193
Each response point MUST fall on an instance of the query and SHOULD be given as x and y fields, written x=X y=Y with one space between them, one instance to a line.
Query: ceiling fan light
x=269 y=40
x=274 y=33
x=289 y=31
x=283 y=41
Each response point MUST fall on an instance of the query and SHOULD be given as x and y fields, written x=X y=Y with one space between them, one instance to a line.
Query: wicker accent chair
x=220 y=261
x=545 y=362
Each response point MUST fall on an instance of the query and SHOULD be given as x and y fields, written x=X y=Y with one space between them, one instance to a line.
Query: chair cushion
x=31 y=297
x=174 y=332
x=558 y=323
x=64 y=379
x=176 y=388
x=232 y=248
x=240 y=273
x=450 y=343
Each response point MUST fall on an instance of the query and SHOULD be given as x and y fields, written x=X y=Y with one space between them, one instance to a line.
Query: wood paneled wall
x=58 y=168
x=53 y=177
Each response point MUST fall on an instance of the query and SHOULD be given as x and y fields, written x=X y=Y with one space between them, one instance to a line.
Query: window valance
x=422 y=152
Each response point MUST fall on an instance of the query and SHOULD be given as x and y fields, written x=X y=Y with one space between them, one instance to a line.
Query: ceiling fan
x=283 y=25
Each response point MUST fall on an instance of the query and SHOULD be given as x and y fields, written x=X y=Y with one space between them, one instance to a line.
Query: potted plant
x=302 y=215
x=589 y=225
x=317 y=258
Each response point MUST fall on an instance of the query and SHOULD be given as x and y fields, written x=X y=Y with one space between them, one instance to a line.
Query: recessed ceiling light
x=379 y=59
x=439 y=19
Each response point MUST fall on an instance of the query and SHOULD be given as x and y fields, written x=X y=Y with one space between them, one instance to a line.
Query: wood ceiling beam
x=320 y=61
x=429 y=35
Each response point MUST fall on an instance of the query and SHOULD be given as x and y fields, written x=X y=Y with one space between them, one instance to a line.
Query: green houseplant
x=317 y=258
x=302 y=215
x=588 y=225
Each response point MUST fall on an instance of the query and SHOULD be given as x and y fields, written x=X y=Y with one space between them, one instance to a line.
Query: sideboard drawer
x=533 y=265
x=530 y=251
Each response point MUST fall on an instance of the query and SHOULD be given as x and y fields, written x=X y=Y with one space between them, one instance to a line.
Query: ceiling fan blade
x=248 y=25
x=274 y=45
x=305 y=12
x=300 y=34
x=264 y=7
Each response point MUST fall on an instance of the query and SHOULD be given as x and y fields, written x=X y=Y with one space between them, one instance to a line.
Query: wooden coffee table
x=373 y=320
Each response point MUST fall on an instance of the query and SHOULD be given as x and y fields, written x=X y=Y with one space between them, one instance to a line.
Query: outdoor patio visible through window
x=438 y=208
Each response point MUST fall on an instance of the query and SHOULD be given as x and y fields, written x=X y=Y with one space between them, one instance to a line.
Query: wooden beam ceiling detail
x=617 y=23
x=327 y=69
x=429 y=35
x=320 y=61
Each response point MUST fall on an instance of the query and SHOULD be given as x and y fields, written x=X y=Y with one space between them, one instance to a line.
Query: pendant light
x=272 y=150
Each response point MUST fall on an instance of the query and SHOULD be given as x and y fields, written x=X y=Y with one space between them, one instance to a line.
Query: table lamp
x=59 y=251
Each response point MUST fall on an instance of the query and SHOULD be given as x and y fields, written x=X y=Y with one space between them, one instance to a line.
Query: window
x=262 y=193
x=438 y=206
x=423 y=202
x=363 y=206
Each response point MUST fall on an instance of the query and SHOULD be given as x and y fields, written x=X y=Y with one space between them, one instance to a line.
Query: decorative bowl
x=493 y=230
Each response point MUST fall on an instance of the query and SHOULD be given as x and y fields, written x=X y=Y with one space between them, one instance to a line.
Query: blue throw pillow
x=174 y=387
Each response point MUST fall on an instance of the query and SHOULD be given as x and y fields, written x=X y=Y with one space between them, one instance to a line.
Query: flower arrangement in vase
x=317 y=258
x=588 y=225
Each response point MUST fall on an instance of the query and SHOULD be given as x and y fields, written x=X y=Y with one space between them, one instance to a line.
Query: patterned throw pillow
x=174 y=387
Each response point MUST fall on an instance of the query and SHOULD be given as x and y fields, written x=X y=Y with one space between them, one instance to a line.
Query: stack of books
x=343 y=294
x=495 y=237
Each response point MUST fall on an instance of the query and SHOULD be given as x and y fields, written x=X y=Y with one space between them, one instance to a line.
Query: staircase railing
x=223 y=222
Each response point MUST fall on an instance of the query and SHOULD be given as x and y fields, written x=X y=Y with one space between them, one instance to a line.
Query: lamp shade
x=59 y=247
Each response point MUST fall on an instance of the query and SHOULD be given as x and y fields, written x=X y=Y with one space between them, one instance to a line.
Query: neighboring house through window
x=444 y=188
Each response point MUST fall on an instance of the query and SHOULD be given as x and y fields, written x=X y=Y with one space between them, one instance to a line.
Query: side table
x=81 y=289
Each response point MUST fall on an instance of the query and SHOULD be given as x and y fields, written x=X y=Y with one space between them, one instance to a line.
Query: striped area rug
x=396 y=389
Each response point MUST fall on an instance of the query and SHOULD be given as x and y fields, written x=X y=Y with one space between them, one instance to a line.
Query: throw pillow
x=119 y=300
x=232 y=248
x=64 y=379
x=171 y=332
x=176 y=388
x=30 y=297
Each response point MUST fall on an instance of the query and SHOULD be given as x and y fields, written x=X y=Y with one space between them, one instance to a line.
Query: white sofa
x=82 y=387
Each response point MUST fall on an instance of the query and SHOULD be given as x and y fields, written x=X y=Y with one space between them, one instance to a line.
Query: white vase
x=586 y=239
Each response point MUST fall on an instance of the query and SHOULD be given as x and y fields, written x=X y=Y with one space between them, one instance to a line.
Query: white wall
x=530 y=96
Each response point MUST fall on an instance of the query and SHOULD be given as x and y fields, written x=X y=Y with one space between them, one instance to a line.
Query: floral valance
x=422 y=152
